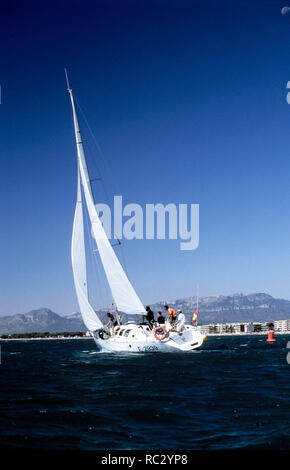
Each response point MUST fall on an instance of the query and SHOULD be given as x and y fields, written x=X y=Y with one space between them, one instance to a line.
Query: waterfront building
x=221 y=328
x=282 y=325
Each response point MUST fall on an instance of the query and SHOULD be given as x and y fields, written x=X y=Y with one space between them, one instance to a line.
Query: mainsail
x=78 y=257
x=123 y=293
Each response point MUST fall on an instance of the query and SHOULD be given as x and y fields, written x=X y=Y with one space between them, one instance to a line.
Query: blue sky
x=188 y=103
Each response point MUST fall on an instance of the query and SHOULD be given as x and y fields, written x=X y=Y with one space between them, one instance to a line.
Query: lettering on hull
x=148 y=348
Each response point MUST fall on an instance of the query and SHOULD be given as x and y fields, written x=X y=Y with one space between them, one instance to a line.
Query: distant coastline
x=47 y=335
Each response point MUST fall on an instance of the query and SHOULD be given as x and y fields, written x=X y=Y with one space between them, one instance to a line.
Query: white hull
x=139 y=338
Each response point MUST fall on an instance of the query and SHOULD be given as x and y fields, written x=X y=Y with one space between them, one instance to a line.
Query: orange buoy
x=271 y=338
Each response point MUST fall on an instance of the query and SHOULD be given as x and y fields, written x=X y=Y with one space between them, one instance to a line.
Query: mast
x=78 y=137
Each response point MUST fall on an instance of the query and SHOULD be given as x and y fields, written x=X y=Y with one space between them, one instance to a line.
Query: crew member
x=111 y=322
x=160 y=319
x=180 y=321
x=150 y=317
x=171 y=315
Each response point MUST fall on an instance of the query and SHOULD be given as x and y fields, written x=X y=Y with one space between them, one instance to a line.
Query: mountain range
x=257 y=307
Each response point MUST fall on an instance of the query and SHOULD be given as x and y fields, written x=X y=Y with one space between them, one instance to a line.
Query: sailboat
x=130 y=336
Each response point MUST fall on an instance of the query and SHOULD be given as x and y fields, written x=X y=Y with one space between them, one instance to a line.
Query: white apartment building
x=282 y=325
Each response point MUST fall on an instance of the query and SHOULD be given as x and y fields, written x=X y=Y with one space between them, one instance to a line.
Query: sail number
x=147 y=348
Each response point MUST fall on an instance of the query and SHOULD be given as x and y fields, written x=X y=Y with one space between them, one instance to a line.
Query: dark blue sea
x=62 y=394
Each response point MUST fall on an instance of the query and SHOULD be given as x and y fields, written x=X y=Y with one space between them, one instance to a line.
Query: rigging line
x=118 y=242
x=97 y=144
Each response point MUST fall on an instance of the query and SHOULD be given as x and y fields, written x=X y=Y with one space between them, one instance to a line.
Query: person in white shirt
x=180 y=321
